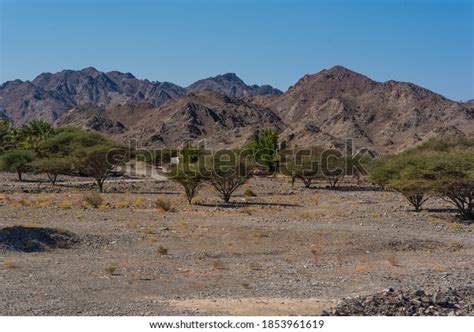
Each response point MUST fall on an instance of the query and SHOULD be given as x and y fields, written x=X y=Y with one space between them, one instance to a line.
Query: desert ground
x=284 y=251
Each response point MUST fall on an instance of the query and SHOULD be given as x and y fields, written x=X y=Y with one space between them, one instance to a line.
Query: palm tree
x=35 y=132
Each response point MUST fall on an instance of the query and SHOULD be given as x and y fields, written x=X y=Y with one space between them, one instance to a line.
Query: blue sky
x=429 y=43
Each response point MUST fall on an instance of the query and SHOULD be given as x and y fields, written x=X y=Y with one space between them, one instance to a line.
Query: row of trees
x=227 y=170
x=441 y=167
x=38 y=147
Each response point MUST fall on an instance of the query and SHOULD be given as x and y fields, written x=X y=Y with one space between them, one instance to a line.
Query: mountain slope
x=338 y=104
x=220 y=120
x=49 y=95
x=327 y=108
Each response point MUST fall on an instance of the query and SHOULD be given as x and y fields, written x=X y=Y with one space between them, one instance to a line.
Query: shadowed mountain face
x=49 y=95
x=220 y=120
x=324 y=109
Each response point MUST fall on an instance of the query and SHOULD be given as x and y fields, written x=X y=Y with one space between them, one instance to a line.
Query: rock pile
x=451 y=302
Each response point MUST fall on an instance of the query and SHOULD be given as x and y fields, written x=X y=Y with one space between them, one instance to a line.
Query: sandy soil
x=285 y=251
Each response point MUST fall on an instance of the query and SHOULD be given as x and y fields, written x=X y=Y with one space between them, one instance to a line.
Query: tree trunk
x=100 y=184
x=307 y=183
x=20 y=176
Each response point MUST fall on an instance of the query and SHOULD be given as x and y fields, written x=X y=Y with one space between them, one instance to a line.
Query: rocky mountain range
x=324 y=108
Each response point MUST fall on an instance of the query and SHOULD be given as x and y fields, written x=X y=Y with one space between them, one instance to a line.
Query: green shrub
x=17 y=161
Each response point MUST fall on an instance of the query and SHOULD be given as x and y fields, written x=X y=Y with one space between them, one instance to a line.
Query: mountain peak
x=231 y=85
x=231 y=77
x=89 y=70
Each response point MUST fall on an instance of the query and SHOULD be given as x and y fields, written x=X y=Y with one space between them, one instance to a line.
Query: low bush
x=93 y=199
x=164 y=205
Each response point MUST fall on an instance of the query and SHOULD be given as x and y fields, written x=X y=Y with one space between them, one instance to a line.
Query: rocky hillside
x=337 y=104
x=220 y=120
x=50 y=95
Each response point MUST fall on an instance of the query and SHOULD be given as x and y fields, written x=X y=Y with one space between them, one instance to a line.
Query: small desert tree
x=415 y=191
x=189 y=176
x=333 y=167
x=453 y=179
x=406 y=173
x=226 y=171
x=301 y=164
x=53 y=167
x=17 y=161
x=99 y=160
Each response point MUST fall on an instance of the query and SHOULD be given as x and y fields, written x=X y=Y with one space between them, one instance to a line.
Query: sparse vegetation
x=264 y=150
x=442 y=167
x=164 y=205
x=111 y=269
x=190 y=177
x=121 y=205
x=65 y=204
x=249 y=193
x=17 y=161
x=227 y=171
x=162 y=250
x=10 y=264
x=93 y=199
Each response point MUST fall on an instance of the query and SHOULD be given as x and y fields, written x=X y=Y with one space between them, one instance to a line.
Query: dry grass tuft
x=247 y=211
x=249 y=192
x=162 y=250
x=362 y=268
x=258 y=233
x=25 y=202
x=455 y=225
x=439 y=268
x=121 y=205
x=218 y=264
x=44 y=198
x=9 y=264
x=93 y=199
x=138 y=202
x=393 y=260
x=199 y=200
x=111 y=269
x=104 y=207
x=164 y=205
x=65 y=204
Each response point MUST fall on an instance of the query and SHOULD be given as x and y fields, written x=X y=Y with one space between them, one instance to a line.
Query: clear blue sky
x=426 y=42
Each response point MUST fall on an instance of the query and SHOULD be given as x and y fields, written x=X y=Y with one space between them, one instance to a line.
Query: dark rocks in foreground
x=451 y=302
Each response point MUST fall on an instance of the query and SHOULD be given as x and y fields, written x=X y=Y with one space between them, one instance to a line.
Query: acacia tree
x=453 y=174
x=190 y=177
x=99 y=160
x=53 y=167
x=301 y=164
x=226 y=171
x=406 y=173
x=17 y=161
